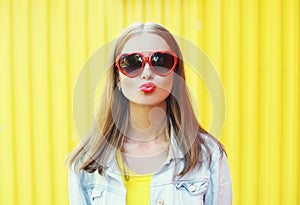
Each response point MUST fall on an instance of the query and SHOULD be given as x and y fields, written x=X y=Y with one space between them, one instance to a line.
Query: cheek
x=167 y=83
x=129 y=86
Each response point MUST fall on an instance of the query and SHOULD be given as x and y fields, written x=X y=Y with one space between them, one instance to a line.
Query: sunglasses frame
x=146 y=59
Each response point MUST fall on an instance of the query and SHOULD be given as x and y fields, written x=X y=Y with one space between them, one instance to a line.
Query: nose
x=147 y=72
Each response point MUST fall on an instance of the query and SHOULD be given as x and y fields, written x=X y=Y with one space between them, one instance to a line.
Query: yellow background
x=253 y=44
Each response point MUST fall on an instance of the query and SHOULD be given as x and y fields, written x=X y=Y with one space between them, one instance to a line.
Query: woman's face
x=147 y=88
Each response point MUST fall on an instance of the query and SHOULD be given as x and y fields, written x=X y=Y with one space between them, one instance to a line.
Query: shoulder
x=212 y=151
x=75 y=173
x=84 y=178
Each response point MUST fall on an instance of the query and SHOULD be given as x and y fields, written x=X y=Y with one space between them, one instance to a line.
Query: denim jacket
x=208 y=185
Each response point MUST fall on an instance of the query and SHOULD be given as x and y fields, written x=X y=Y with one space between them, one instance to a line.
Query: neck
x=146 y=123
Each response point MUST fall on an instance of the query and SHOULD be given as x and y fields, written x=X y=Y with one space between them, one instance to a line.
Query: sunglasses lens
x=162 y=62
x=131 y=64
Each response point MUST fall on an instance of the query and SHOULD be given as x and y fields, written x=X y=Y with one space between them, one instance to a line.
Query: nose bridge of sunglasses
x=147 y=61
x=146 y=68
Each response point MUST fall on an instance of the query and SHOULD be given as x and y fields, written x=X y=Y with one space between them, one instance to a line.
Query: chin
x=147 y=102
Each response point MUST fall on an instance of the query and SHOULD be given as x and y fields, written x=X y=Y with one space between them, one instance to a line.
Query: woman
x=147 y=146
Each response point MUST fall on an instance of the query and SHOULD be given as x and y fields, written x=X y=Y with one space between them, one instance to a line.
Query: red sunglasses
x=132 y=64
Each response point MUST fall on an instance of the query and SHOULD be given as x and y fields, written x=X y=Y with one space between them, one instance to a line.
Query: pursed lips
x=148 y=87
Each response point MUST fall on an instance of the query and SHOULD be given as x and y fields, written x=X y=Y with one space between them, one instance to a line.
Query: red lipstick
x=147 y=87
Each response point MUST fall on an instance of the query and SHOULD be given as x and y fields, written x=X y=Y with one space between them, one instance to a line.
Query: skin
x=145 y=149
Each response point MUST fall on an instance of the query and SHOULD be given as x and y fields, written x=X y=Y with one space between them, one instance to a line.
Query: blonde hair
x=107 y=135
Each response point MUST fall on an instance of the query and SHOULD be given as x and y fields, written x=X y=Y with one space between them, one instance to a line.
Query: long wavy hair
x=107 y=134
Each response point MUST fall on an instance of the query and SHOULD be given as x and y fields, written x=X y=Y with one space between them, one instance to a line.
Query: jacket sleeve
x=77 y=193
x=219 y=190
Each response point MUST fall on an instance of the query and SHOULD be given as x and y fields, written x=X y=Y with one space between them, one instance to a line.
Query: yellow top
x=138 y=185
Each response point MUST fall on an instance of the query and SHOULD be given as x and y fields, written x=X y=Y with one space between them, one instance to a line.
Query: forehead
x=145 y=42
